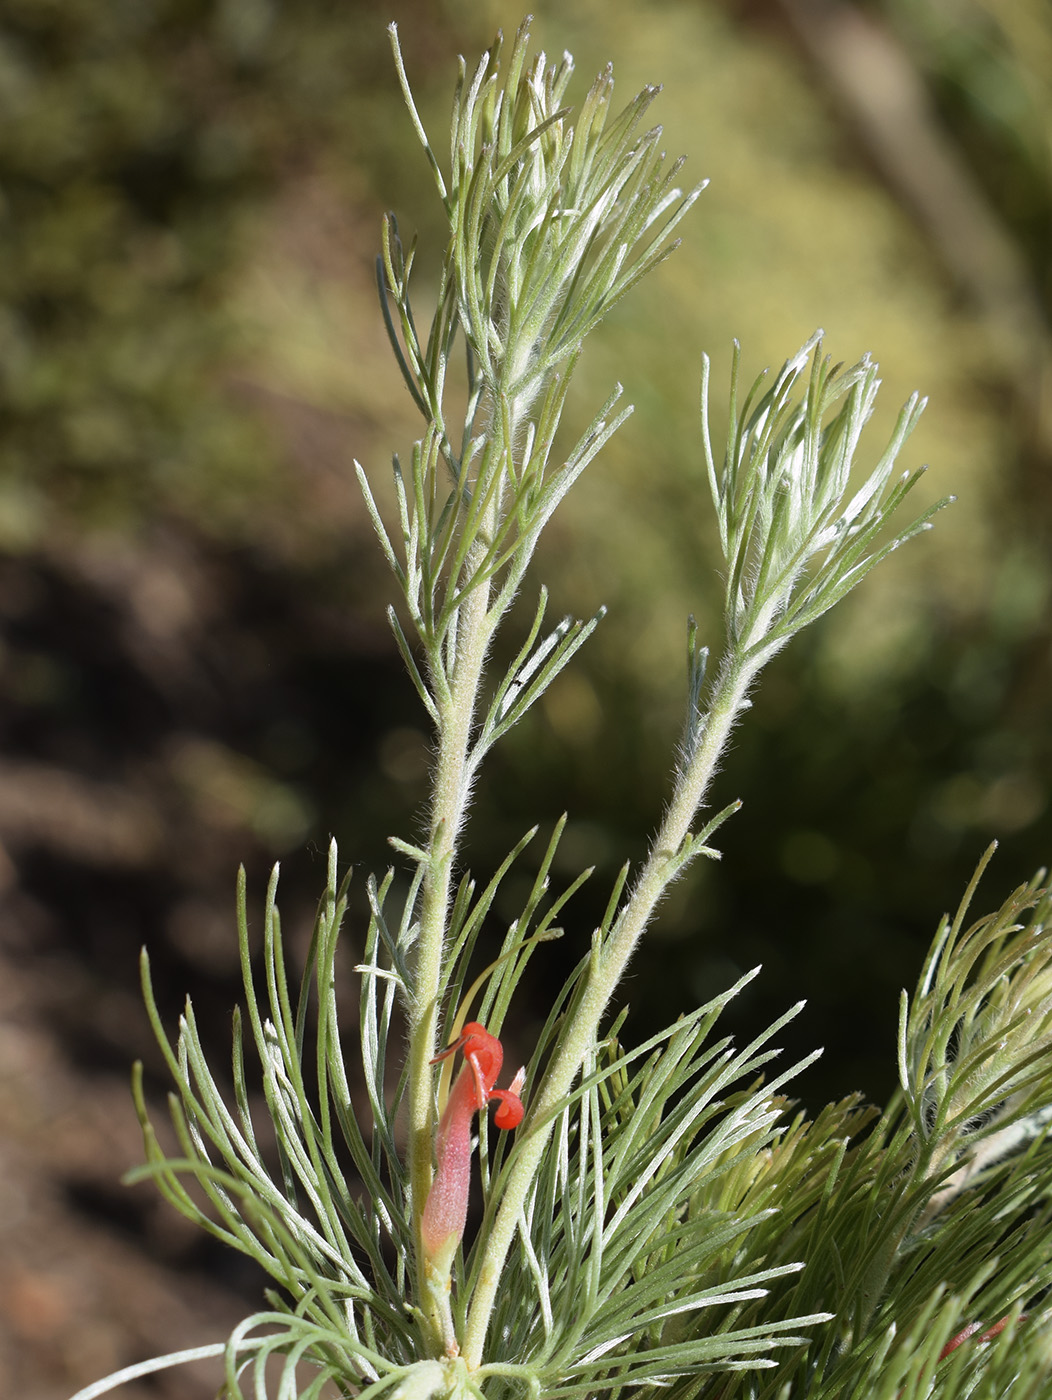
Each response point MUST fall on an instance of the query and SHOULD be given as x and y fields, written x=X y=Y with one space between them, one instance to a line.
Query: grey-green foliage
x=931 y=1215
x=780 y=499
x=660 y=1217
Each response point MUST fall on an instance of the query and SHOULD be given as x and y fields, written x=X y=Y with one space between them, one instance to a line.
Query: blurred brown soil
x=173 y=703
x=89 y=1282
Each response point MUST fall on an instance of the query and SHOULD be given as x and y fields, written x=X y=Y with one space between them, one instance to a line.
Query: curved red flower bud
x=970 y=1331
x=446 y=1209
x=510 y=1111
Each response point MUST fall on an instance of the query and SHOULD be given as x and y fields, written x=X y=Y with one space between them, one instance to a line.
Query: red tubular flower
x=446 y=1210
x=970 y=1331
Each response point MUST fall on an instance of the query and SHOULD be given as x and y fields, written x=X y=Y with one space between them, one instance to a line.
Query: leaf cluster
x=782 y=497
x=319 y=1199
x=551 y=222
x=615 y=1285
x=930 y=1218
x=685 y=1228
x=308 y=1183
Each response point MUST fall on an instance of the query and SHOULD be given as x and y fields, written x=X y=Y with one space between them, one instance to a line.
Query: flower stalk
x=550 y=224
x=455 y=705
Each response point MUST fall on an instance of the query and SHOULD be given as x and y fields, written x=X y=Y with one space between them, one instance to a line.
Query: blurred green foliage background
x=194 y=668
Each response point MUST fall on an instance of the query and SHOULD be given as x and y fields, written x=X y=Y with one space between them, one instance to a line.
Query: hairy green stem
x=663 y=863
x=457 y=695
x=456 y=711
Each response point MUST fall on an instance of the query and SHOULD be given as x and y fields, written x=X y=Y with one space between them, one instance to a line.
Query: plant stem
x=663 y=863
x=456 y=703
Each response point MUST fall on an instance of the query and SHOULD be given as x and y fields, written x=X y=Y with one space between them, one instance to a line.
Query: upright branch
x=795 y=542
x=551 y=221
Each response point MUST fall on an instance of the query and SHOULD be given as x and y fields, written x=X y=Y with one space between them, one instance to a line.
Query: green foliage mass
x=661 y=1217
x=119 y=198
x=138 y=145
